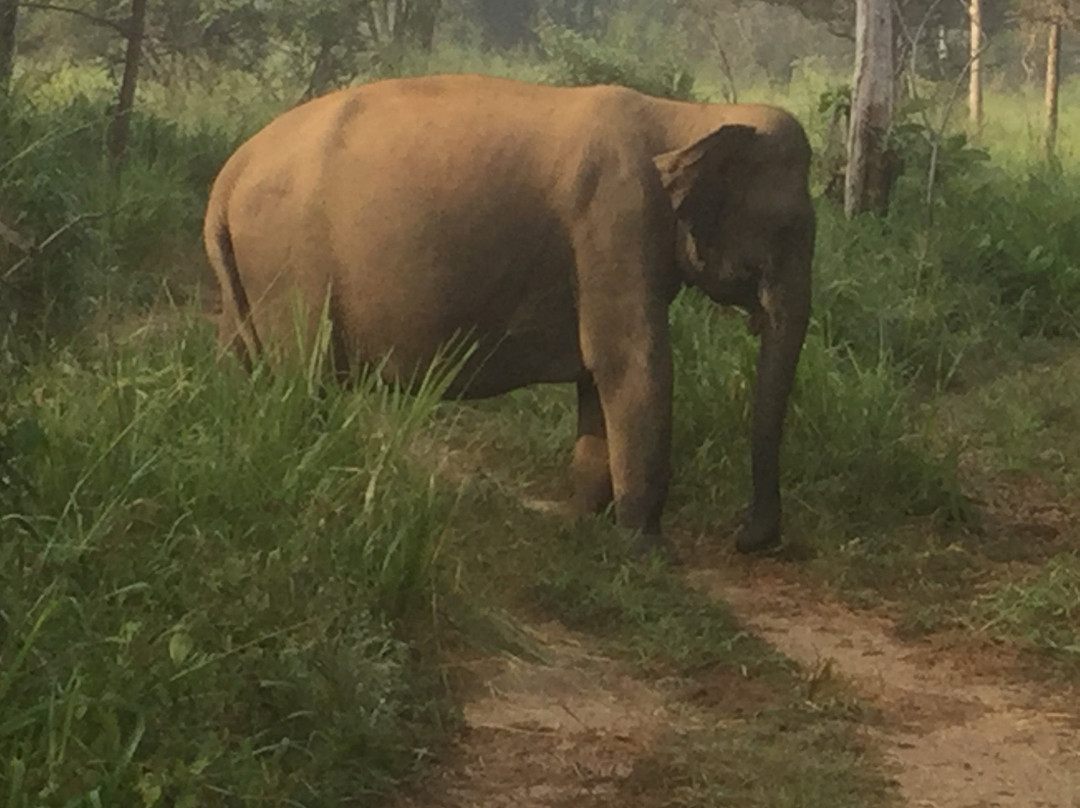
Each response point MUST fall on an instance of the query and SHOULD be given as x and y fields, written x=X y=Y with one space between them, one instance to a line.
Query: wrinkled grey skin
x=554 y=226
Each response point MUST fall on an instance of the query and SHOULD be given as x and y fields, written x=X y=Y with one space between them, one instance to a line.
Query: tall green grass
x=853 y=446
x=204 y=582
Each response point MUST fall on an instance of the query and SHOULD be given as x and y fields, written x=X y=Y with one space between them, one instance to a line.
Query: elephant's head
x=742 y=202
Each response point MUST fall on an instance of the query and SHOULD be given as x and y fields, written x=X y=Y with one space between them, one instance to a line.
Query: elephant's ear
x=701 y=177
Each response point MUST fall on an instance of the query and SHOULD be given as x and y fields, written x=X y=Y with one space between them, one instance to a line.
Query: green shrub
x=201 y=578
x=987 y=261
x=577 y=60
x=96 y=237
x=880 y=285
x=1021 y=239
x=996 y=265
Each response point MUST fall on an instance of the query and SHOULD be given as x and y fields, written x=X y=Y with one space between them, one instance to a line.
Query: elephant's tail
x=236 y=329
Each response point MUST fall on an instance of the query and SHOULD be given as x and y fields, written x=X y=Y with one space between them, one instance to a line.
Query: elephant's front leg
x=622 y=247
x=635 y=392
x=591 y=465
x=781 y=323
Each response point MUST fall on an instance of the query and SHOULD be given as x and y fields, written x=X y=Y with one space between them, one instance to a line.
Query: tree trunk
x=423 y=23
x=1030 y=41
x=975 y=94
x=322 y=73
x=121 y=123
x=9 y=15
x=408 y=22
x=869 y=169
x=1053 y=81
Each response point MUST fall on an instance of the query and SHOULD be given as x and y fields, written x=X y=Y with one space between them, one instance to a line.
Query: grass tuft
x=814 y=753
x=205 y=582
x=1043 y=610
x=645 y=611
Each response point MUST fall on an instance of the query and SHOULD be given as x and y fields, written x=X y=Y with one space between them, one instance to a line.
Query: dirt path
x=957 y=735
x=562 y=732
x=956 y=730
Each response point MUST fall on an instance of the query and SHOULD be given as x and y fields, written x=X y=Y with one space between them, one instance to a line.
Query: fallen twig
x=33 y=251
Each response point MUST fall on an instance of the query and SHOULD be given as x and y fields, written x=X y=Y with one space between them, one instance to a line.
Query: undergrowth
x=82 y=243
x=852 y=443
x=1042 y=609
x=206 y=583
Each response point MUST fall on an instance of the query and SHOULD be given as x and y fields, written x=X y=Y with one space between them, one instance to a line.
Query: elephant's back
x=431 y=124
x=402 y=168
x=431 y=208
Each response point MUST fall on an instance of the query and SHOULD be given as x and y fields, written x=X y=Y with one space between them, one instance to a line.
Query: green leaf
x=180 y=646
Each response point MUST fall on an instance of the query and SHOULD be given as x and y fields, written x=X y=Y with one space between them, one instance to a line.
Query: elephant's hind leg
x=230 y=341
x=591 y=466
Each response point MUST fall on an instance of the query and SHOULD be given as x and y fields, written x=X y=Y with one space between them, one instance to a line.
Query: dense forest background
x=321 y=44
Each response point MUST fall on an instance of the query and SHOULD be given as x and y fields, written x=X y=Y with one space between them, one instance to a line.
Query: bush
x=1021 y=241
x=577 y=60
x=995 y=265
x=880 y=285
x=92 y=236
x=203 y=581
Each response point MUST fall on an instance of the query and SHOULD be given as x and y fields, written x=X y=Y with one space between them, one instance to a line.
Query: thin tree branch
x=914 y=39
x=35 y=250
x=938 y=133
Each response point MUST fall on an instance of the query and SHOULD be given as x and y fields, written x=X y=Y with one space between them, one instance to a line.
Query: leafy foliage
x=81 y=227
x=578 y=60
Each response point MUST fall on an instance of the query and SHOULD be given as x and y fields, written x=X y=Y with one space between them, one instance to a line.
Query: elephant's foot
x=592 y=476
x=758 y=535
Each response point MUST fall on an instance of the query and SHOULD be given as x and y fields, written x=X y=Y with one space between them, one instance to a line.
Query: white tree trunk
x=1053 y=82
x=975 y=98
x=868 y=176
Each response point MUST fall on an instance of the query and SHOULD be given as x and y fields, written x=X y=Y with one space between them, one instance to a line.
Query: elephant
x=553 y=226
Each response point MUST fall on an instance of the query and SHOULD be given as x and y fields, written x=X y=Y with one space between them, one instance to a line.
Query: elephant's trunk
x=784 y=297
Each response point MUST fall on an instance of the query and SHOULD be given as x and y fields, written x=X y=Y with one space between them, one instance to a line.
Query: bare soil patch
x=958 y=721
x=563 y=732
x=957 y=733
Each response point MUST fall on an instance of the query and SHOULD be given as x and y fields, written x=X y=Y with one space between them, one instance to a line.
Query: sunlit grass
x=204 y=577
